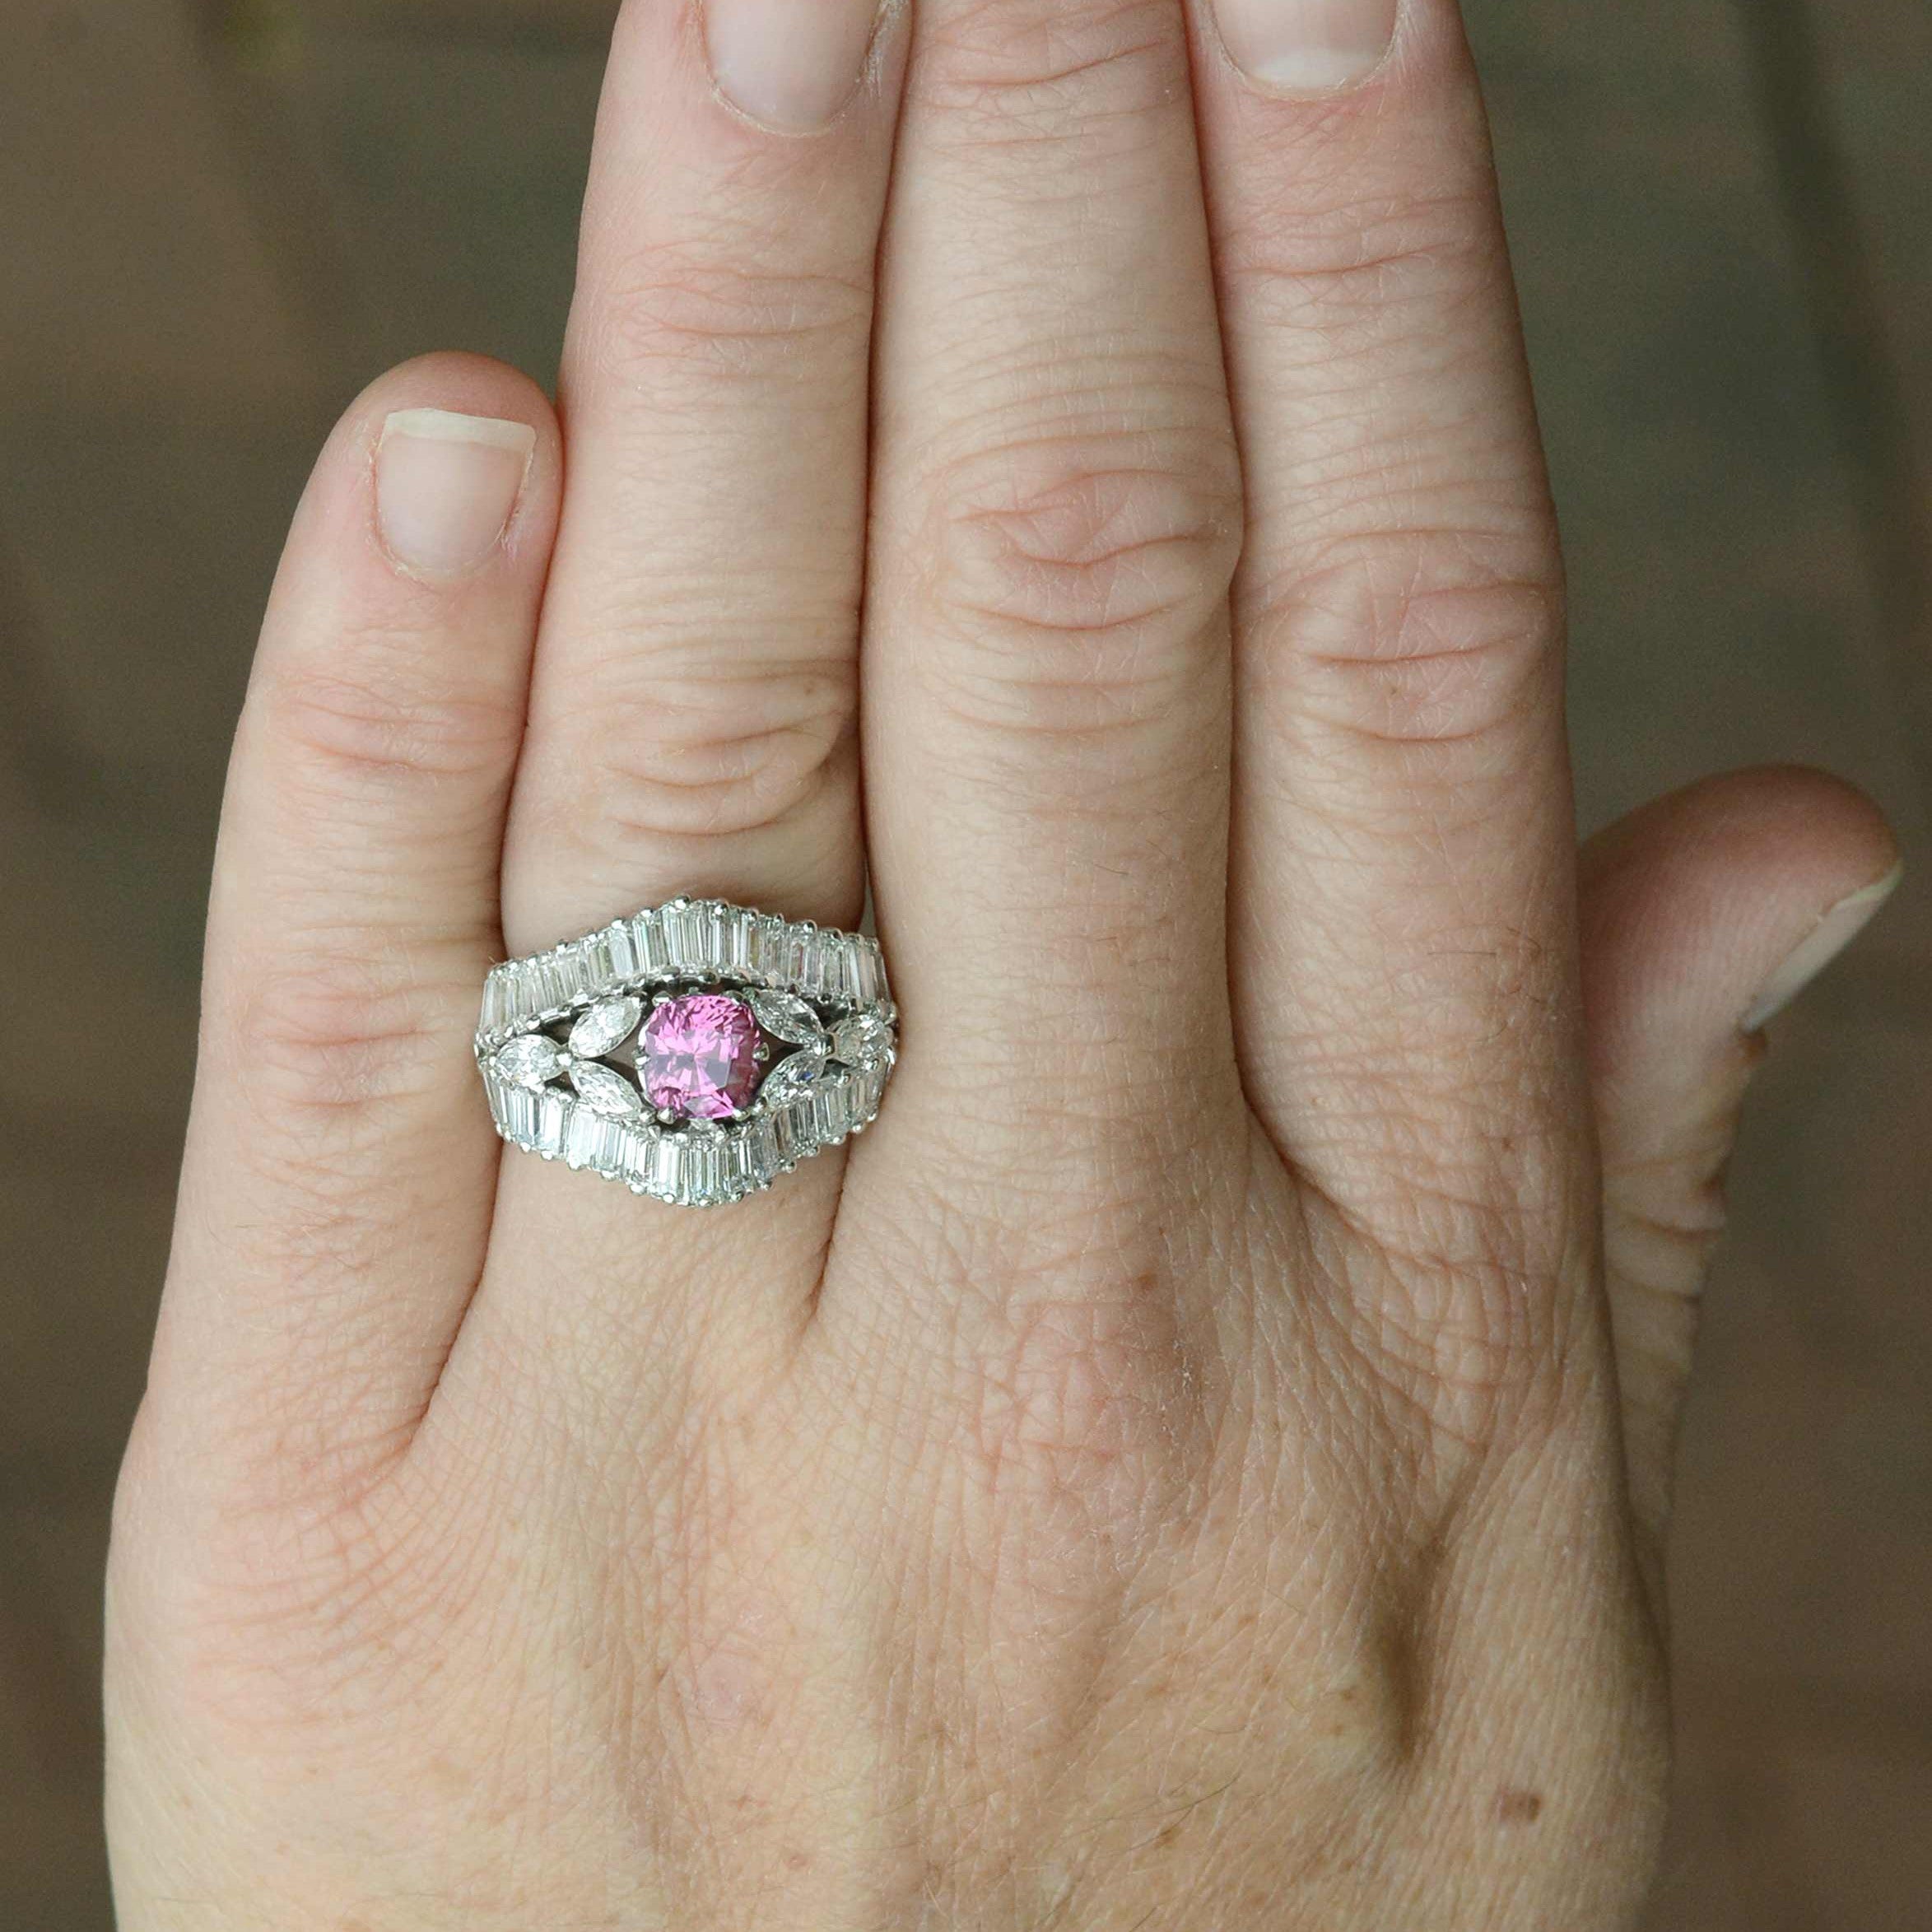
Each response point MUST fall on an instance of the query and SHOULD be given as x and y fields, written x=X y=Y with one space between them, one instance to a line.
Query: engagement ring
x=695 y=1052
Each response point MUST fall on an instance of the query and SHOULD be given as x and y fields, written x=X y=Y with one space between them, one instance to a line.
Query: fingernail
x=446 y=486
x=1307 y=46
x=792 y=64
x=1820 y=946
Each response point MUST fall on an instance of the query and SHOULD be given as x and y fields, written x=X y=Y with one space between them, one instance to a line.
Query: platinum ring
x=695 y=1052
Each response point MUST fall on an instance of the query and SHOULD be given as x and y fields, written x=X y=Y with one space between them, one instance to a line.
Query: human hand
x=1202 y=1461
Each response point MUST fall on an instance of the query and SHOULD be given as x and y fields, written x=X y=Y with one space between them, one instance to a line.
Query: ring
x=695 y=1052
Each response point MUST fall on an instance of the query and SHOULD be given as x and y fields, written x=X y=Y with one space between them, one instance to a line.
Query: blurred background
x=217 y=219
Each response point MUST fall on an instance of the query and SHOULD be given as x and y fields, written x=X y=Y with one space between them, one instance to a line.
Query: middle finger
x=1056 y=520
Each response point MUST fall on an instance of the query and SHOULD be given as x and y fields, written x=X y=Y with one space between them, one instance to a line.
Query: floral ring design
x=695 y=1052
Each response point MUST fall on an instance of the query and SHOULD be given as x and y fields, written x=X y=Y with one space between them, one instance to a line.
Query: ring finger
x=691 y=716
x=690 y=725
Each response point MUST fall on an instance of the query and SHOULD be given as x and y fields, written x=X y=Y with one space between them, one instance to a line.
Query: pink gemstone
x=699 y=1061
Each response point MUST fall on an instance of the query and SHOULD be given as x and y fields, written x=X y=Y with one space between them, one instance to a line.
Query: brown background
x=217 y=219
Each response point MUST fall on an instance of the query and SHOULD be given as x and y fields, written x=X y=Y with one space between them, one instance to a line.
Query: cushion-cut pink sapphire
x=699 y=1060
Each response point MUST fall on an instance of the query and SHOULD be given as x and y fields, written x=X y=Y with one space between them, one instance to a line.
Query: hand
x=1202 y=1461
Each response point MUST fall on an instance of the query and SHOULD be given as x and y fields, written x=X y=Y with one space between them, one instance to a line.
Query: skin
x=1202 y=1461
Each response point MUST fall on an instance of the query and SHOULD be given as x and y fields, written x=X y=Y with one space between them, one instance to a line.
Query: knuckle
x=383 y=722
x=1314 y=260
x=1428 y=637
x=1066 y=1409
x=996 y=63
x=1068 y=1335
x=311 y=1584
x=704 y=312
x=1457 y=1343
x=1462 y=1283
x=718 y=749
x=343 y=1030
x=1077 y=574
x=1073 y=1408
x=1663 y=1222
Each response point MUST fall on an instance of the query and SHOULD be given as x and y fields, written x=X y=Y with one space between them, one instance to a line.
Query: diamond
x=793 y=1077
x=861 y=1040
x=785 y=1017
x=680 y=920
x=667 y=1164
x=768 y=945
x=581 y=1138
x=838 y=984
x=529 y=1060
x=699 y=1061
x=700 y=1178
x=604 y=1092
x=607 y=1026
x=647 y=942
x=802 y=955
x=710 y=935
x=623 y=952
x=865 y=971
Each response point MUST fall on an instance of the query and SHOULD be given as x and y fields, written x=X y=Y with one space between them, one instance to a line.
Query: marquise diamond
x=791 y=1078
x=530 y=1060
x=861 y=1040
x=605 y=1091
x=786 y=1017
x=605 y=1027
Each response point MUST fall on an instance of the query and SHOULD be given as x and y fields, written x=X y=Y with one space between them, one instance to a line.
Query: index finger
x=336 y=1196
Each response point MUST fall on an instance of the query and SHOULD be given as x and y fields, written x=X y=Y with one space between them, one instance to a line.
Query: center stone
x=699 y=1060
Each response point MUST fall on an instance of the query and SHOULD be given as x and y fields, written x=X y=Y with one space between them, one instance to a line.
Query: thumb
x=1704 y=914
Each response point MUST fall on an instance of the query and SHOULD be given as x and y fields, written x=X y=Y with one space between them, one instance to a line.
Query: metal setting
x=562 y=1049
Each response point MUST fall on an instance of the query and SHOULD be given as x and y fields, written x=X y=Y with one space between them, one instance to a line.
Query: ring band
x=695 y=1052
